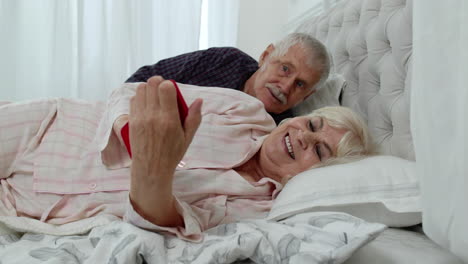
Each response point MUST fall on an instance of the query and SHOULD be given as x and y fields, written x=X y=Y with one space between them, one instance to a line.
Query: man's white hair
x=317 y=54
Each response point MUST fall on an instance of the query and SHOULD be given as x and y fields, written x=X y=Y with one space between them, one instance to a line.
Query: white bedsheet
x=319 y=237
x=396 y=246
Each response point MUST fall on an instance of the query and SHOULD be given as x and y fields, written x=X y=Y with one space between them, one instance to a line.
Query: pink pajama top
x=73 y=166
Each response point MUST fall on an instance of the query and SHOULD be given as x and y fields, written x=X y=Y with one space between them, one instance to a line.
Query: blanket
x=317 y=237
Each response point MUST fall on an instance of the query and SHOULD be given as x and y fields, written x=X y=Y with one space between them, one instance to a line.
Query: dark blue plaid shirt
x=219 y=67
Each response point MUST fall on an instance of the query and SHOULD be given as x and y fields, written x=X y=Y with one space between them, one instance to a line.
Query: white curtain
x=440 y=119
x=222 y=12
x=86 y=48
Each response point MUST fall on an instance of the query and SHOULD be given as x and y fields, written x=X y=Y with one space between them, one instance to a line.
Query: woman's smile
x=289 y=147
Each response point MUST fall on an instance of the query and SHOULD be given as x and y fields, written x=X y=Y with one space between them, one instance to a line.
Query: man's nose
x=287 y=84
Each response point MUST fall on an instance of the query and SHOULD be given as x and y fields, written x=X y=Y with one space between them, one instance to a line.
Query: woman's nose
x=307 y=138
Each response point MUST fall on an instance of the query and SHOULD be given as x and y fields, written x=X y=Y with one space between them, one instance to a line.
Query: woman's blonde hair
x=356 y=142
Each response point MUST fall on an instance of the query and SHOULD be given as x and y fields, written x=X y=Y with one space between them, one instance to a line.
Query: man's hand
x=158 y=144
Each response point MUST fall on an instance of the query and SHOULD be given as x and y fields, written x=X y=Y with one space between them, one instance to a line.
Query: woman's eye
x=300 y=84
x=318 y=152
x=311 y=126
x=285 y=68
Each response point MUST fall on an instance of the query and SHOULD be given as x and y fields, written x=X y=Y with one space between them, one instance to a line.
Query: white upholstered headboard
x=370 y=42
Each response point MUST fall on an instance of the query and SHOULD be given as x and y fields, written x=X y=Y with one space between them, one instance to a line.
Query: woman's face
x=297 y=145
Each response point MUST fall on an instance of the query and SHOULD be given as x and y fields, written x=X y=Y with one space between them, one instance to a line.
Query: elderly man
x=286 y=74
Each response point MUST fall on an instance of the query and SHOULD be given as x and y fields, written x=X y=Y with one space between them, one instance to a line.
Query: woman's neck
x=250 y=170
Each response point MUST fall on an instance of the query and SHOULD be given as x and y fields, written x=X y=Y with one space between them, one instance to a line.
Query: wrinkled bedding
x=319 y=237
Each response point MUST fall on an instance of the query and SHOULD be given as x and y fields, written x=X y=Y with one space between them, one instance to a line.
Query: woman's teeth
x=289 y=147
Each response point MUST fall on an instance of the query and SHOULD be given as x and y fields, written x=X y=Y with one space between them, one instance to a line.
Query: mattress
x=397 y=246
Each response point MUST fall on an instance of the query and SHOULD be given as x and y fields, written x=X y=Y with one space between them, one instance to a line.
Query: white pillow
x=327 y=95
x=383 y=189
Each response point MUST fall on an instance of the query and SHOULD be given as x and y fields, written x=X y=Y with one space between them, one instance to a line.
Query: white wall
x=299 y=10
x=261 y=22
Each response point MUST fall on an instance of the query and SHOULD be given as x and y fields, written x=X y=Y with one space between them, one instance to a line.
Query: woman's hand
x=158 y=144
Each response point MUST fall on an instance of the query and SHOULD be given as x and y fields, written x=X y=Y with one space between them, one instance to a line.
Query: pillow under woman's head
x=382 y=189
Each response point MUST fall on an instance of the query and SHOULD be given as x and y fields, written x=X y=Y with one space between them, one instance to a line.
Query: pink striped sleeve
x=113 y=154
x=192 y=230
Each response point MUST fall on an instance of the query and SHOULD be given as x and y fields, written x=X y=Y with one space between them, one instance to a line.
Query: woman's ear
x=265 y=54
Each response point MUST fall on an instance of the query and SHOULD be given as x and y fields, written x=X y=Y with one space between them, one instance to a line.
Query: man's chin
x=275 y=110
x=272 y=105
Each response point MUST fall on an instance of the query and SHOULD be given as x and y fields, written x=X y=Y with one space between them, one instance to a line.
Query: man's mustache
x=276 y=91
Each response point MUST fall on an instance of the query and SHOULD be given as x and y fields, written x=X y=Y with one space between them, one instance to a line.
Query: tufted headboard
x=370 y=42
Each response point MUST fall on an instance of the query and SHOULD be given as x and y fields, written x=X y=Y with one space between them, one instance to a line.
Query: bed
x=371 y=43
x=373 y=215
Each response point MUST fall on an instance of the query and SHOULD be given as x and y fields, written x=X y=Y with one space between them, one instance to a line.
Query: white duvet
x=319 y=237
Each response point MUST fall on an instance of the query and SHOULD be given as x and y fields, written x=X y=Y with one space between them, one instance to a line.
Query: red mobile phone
x=183 y=112
x=183 y=109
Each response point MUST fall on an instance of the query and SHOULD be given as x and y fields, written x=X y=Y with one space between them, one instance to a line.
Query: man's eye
x=285 y=68
x=300 y=84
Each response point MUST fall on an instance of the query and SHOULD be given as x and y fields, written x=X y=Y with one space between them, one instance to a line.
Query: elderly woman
x=62 y=160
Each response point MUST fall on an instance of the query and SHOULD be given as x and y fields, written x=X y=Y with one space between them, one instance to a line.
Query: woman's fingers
x=168 y=103
x=168 y=100
x=152 y=92
x=155 y=123
x=146 y=96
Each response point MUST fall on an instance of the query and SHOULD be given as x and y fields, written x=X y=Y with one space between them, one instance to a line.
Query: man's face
x=282 y=82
